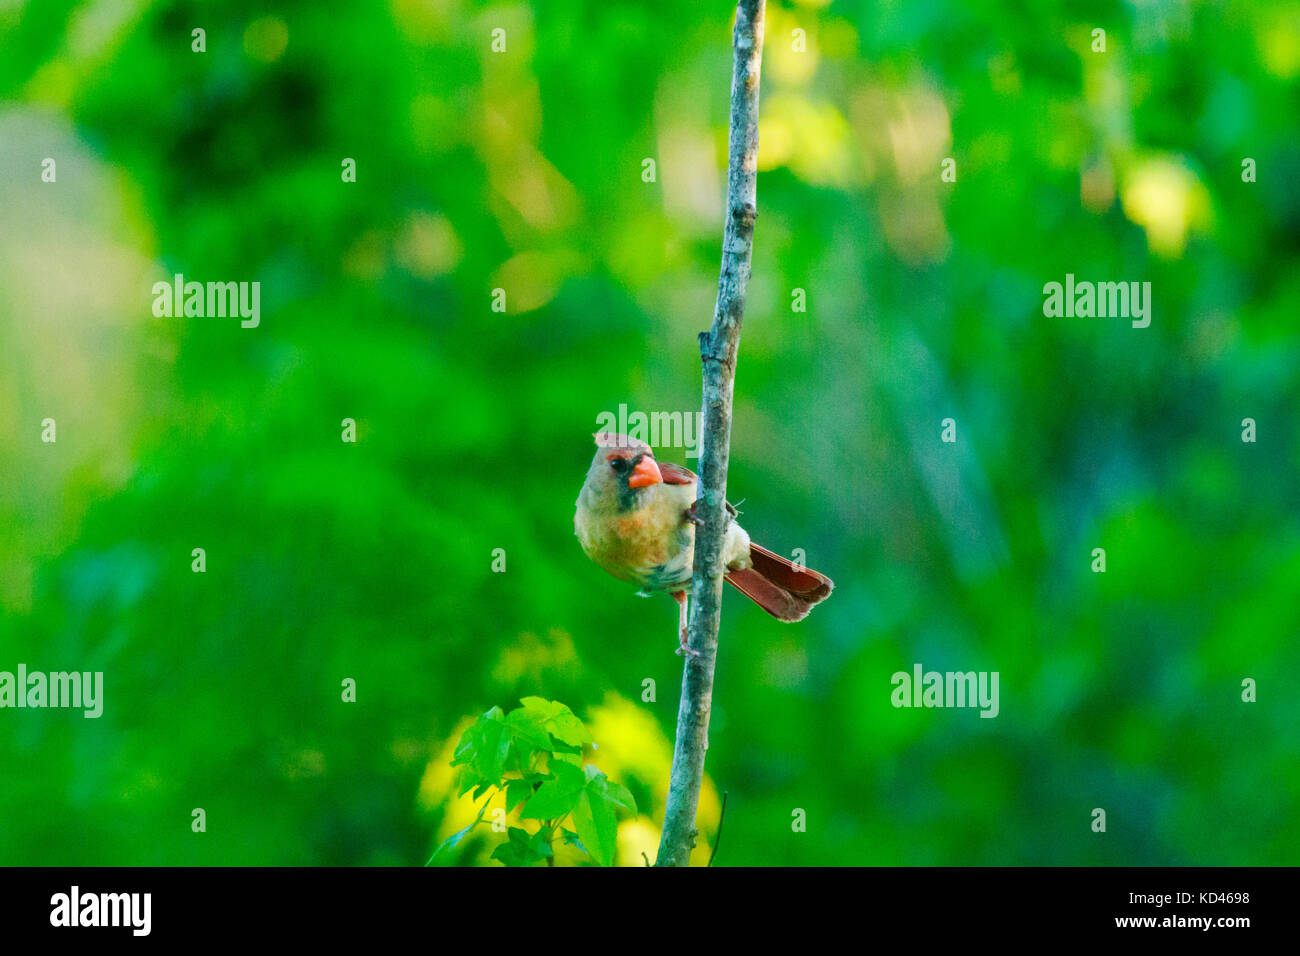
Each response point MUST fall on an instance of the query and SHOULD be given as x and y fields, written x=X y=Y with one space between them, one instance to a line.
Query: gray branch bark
x=718 y=348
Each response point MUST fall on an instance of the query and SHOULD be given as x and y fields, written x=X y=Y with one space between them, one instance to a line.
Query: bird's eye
x=619 y=465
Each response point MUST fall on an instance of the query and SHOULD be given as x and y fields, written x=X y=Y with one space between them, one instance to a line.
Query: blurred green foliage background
x=522 y=170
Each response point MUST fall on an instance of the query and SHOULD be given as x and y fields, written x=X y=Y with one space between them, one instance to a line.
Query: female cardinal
x=636 y=519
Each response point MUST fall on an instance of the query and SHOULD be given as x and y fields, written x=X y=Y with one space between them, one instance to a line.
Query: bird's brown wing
x=676 y=474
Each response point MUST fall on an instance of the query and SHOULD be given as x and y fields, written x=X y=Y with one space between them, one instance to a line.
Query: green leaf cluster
x=533 y=755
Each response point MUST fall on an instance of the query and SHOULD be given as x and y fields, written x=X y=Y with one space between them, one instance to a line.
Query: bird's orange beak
x=645 y=473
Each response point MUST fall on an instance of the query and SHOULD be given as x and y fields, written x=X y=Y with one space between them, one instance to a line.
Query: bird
x=635 y=517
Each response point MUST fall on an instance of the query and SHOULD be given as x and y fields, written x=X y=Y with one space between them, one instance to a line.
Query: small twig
x=477 y=820
x=646 y=858
x=717 y=837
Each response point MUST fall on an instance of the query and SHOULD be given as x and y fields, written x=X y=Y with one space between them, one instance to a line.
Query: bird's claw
x=695 y=519
x=684 y=649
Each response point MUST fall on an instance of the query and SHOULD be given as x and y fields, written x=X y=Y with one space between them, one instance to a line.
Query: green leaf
x=514 y=852
x=559 y=721
x=449 y=844
x=556 y=796
x=528 y=728
x=471 y=738
x=522 y=849
x=614 y=793
x=482 y=751
x=517 y=791
x=597 y=827
x=571 y=839
x=620 y=796
x=490 y=760
x=541 y=844
x=541 y=705
x=596 y=815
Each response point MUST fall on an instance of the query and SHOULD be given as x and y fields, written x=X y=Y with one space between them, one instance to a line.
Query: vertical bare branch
x=718 y=348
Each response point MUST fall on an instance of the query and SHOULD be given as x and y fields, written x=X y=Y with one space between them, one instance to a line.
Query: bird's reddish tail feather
x=780 y=587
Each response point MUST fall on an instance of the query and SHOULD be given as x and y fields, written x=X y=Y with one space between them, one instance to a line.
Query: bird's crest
x=616 y=442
